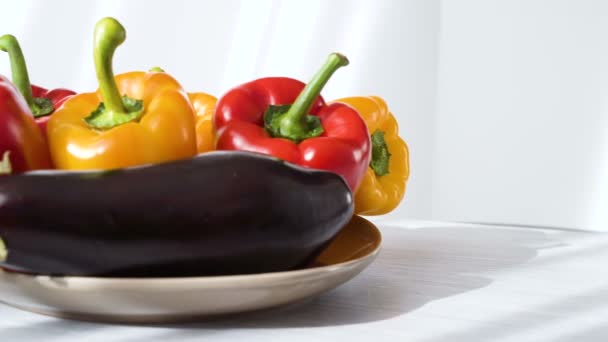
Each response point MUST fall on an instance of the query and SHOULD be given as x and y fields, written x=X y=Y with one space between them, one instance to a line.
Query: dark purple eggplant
x=216 y=214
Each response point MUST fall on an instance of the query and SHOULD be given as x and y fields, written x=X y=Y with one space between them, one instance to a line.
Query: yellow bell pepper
x=204 y=107
x=152 y=122
x=383 y=186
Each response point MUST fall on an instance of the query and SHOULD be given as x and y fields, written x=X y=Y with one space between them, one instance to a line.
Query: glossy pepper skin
x=384 y=184
x=153 y=220
x=254 y=117
x=204 y=107
x=133 y=119
x=22 y=145
x=42 y=102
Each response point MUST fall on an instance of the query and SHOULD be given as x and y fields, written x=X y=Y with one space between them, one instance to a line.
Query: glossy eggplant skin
x=219 y=213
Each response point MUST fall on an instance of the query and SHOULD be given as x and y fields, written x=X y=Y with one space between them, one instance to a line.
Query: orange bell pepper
x=152 y=122
x=204 y=107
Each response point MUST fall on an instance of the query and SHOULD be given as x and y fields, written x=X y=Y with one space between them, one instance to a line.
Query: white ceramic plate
x=156 y=300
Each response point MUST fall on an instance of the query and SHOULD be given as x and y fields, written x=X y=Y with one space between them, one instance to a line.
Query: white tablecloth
x=432 y=282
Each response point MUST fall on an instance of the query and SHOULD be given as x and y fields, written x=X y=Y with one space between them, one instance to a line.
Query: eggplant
x=219 y=213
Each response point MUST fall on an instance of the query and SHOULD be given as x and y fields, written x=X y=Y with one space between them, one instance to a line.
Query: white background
x=522 y=122
x=503 y=103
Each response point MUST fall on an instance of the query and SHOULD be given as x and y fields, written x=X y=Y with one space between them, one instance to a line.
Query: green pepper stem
x=3 y=251
x=114 y=110
x=109 y=34
x=294 y=121
x=5 y=164
x=304 y=102
x=381 y=156
x=21 y=79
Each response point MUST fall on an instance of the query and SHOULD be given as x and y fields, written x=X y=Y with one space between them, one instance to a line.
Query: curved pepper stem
x=115 y=109
x=309 y=94
x=39 y=106
x=294 y=122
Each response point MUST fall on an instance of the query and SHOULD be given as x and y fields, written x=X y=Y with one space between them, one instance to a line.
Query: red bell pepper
x=20 y=140
x=285 y=118
x=41 y=101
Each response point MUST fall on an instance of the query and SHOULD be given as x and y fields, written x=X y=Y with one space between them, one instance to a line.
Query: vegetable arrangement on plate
x=141 y=178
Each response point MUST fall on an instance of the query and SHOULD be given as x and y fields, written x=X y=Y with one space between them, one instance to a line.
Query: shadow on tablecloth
x=416 y=266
